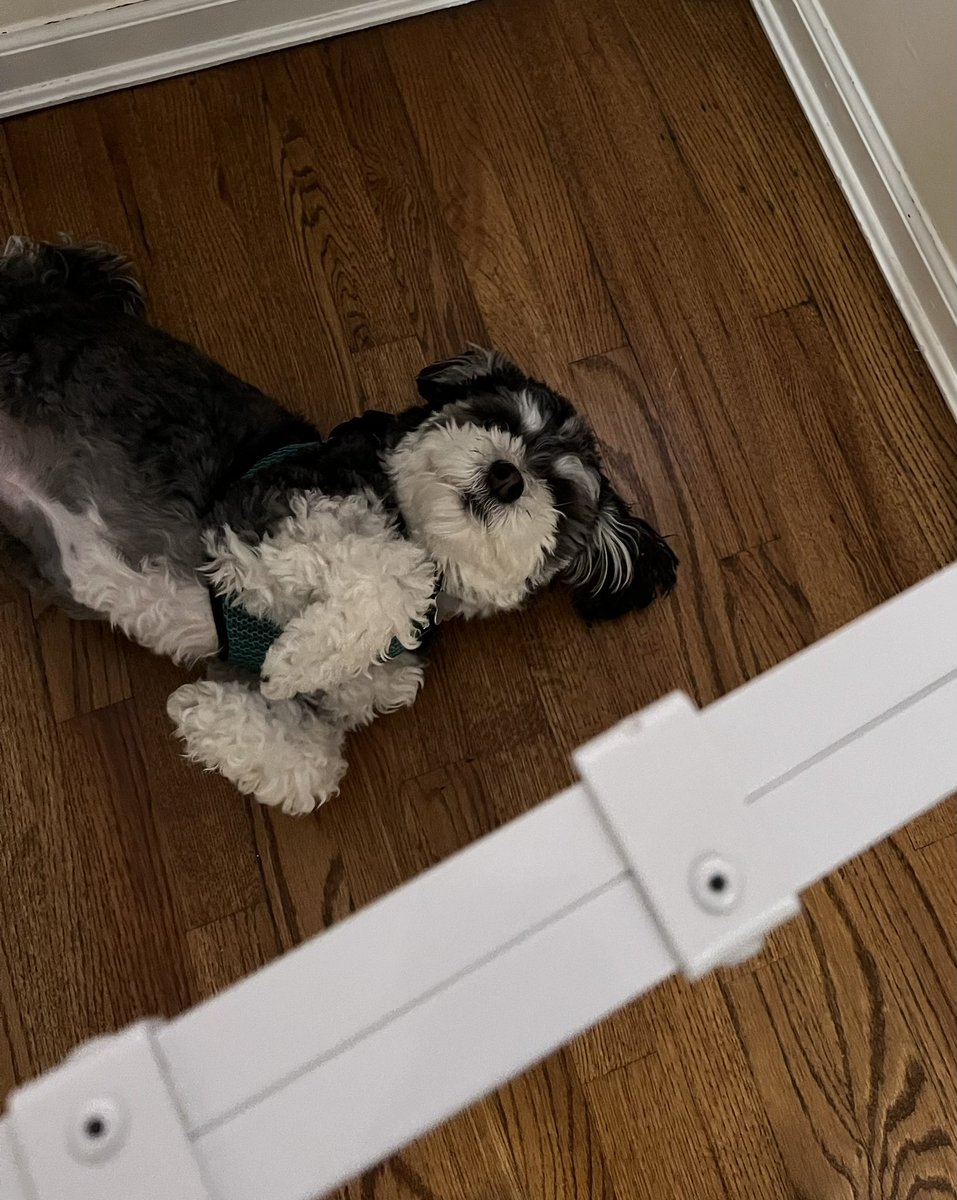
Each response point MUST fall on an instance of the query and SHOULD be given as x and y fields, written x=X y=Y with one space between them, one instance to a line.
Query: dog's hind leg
x=66 y=555
x=283 y=754
x=19 y=563
x=167 y=615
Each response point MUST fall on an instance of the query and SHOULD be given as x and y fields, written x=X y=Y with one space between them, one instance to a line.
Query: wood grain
x=226 y=950
x=90 y=938
x=935 y=825
x=546 y=1120
x=464 y=1160
x=205 y=829
x=627 y=198
x=84 y=664
x=843 y=1075
x=661 y=251
x=418 y=241
x=658 y=1148
x=464 y=173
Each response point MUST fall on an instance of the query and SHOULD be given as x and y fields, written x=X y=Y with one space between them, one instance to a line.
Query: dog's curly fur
x=126 y=492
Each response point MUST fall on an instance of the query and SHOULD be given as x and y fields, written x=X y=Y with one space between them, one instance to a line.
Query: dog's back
x=101 y=412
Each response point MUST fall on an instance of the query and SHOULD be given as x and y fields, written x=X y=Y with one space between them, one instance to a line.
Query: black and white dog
x=142 y=484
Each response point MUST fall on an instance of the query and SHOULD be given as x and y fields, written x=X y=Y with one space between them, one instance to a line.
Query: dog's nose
x=505 y=481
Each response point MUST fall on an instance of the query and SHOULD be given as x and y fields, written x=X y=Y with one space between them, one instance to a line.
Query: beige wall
x=904 y=53
x=15 y=14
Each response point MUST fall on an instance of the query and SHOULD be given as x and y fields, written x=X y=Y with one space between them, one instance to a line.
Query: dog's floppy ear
x=625 y=564
x=476 y=370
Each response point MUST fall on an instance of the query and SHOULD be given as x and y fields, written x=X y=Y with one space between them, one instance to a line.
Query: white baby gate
x=689 y=837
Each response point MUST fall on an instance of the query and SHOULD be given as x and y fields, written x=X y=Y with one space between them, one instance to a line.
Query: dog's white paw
x=283 y=754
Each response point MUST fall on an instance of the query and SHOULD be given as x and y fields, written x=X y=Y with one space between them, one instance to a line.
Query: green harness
x=244 y=640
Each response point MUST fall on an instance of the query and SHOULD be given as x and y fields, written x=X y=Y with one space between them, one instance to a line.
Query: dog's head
x=500 y=479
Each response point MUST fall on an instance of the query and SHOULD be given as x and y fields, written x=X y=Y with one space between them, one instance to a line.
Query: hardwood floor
x=625 y=197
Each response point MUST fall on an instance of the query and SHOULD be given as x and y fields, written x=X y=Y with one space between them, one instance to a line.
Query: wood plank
x=85 y=906
x=756 y=162
x=550 y=1130
x=653 y=1137
x=8 y=1074
x=848 y=498
x=479 y=698
x=856 y=1102
x=203 y=824
x=11 y=209
x=682 y=642
x=226 y=950
x=739 y=133
x=463 y=1160
x=448 y=808
x=661 y=252
x=11 y=592
x=897 y=426
x=933 y=864
x=463 y=169
x=325 y=196
x=244 y=293
x=83 y=663
x=581 y=318
x=702 y=1044
x=14 y=1050
x=418 y=243
x=387 y=374
x=769 y=613
x=935 y=826
x=64 y=178
x=884 y=906
x=303 y=874
x=387 y=828
x=624 y=1038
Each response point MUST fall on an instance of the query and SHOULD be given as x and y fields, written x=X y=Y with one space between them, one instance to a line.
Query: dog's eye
x=563 y=492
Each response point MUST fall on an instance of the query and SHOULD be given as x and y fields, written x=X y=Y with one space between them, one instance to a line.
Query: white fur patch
x=282 y=754
x=382 y=689
x=570 y=466
x=488 y=564
x=533 y=420
x=339 y=578
x=341 y=581
x=297 y=563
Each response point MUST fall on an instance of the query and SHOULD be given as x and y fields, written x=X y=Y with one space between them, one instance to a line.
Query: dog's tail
x=94 y=274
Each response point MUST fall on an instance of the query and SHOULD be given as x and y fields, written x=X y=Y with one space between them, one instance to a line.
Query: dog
x=143 y=484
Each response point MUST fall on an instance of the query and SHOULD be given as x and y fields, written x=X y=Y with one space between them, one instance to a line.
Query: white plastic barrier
x=689 y=837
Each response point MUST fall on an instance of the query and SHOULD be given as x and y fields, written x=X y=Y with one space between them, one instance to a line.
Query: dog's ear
x=624 y=565
x=476 y=370
x=373 y=427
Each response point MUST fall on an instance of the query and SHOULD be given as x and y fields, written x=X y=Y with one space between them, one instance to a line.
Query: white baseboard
x=907 y=248
x=150 y=39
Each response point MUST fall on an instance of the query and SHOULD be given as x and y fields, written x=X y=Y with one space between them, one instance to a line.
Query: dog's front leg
x=384 y=688
x=381 y=594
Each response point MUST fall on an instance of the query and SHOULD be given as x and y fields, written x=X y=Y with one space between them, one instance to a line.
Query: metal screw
x=98 y=1130
x=716 y=883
